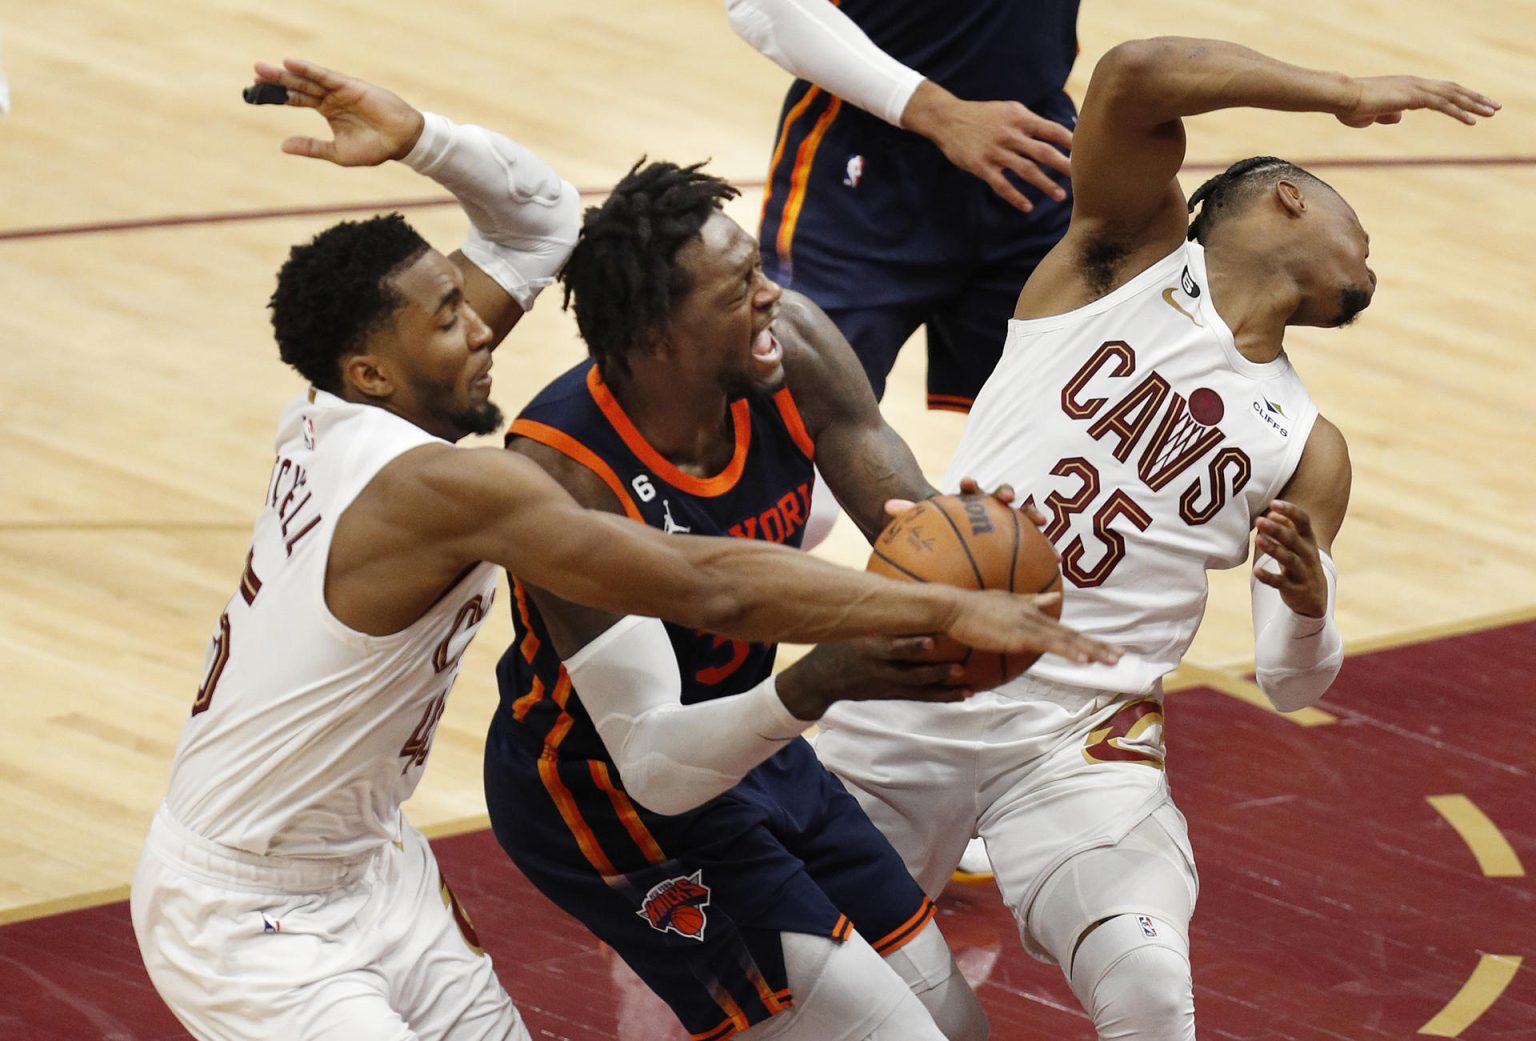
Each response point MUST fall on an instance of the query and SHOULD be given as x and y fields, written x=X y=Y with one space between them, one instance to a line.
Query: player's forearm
x=813 y=40
x=768 y=593
x=523 y=217
x=1168 y=77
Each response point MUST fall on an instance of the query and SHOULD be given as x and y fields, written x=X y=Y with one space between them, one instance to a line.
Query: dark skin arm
x=1129 y=144
x=864 y=462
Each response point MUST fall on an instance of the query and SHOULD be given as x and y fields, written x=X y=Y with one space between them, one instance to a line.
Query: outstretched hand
x=1285 y=533
x=988 y=138
x=1384 y=99
x=369 y=125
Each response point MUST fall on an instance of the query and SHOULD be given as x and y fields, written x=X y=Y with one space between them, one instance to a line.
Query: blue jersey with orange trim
x=763 y=493
x=695 y=902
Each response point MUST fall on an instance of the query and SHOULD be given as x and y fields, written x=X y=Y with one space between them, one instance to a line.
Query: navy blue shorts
x=887 y=235
x=695 y=902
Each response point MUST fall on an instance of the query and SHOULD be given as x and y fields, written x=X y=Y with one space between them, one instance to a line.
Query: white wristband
x=1295 y=657
x=523 y=218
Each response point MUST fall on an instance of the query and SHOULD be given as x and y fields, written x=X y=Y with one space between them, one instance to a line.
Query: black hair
x=334 y=290
x=1235 y=186
x=621 y=280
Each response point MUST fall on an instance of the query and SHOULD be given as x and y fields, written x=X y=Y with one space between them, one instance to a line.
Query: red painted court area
x=1337 y=903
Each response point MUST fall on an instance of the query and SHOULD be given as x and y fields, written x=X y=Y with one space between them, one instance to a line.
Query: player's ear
x=1289 y=195
x=368 y=374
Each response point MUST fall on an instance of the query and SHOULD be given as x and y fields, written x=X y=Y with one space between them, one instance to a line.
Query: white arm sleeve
x=523 y=218
x=813 y=40
x=1295 y=658
x=672 y=756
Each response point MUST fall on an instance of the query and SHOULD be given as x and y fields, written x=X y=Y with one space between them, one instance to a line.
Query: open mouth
x=766 y=350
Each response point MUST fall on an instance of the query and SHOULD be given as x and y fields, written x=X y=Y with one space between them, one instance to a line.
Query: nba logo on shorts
x=854 y=171
x=677 y=905
x=1147 y=928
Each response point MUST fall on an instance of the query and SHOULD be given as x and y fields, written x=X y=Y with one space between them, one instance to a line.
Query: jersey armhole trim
x=794 y=423
x=577 y=452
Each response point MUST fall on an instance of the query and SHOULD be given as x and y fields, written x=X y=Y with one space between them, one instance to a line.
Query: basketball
x=975 y=542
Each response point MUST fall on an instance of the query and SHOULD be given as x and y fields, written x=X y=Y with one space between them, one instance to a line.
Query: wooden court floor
x=144 y=210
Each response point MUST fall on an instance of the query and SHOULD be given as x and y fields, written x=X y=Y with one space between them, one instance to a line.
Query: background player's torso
x=1150 y=444
x=306 y=736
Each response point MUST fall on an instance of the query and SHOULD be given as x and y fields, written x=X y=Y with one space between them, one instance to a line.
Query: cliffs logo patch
x=1273 y=416
x=677 y=905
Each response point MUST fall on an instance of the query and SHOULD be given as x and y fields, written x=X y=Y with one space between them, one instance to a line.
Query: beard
x=741 y=383
x=1351 y=302
x=482 y=419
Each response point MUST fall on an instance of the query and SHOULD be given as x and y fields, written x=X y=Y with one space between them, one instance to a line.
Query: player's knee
x=1132 y=975
x=926 y=965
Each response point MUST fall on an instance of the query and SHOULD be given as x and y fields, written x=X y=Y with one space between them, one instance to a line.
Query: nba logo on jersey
x=1147 y=928
x=677 y=905
x=309 y=433
x=854 y=171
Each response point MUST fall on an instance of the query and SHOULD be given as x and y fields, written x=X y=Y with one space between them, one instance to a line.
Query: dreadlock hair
x=1234 y=187
x=334 y=290
x=621 y=280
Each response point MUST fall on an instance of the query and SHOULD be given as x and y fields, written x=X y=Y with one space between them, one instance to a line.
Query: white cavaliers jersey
x=1150 y=444
x=306 y=736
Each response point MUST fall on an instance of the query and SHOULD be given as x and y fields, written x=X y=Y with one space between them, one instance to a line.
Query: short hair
x=334 y=290
x=1232 y=189
x=621 y=280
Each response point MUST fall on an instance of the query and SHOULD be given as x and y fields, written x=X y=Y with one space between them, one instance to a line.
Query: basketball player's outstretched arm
x=672 y=756
x=467 y=504
x=524 y=218
x=1129 y=144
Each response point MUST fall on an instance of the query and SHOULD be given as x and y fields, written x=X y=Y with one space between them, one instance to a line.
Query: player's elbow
x=1291 y=690
x=1127 y=71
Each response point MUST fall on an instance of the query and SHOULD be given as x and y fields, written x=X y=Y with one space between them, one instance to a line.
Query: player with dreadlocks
x=706 y=846
x=1145 y=403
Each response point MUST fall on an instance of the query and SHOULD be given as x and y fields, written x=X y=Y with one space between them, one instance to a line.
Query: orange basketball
x=975 y=542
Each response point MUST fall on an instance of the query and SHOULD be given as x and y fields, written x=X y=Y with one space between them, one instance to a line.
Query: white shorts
x=1040 y=774
x=248 y=948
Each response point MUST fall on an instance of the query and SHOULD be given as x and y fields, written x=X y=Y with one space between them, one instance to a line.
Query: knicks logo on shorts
x=677 y=905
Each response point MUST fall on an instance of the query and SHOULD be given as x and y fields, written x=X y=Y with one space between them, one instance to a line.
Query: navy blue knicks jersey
x=693 y=902
x=763 y=493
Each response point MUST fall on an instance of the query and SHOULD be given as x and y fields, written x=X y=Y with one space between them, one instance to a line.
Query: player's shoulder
x=584 y=483
x=1324 y=464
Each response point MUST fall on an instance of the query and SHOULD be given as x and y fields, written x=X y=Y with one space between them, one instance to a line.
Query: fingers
x=896 y=507
x=910 y=647
x=1028 y=171
x=310 y=147
x=1300 y=519
x=1076 y=647
x=1005 y=189
x=1002 y=493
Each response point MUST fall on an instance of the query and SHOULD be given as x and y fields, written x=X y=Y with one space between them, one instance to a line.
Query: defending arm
x=815 y=41
x=1295 y=657
x=523 y=218
x=671 y=756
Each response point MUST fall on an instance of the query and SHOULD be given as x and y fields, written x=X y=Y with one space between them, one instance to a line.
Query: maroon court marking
x=1336 y=904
